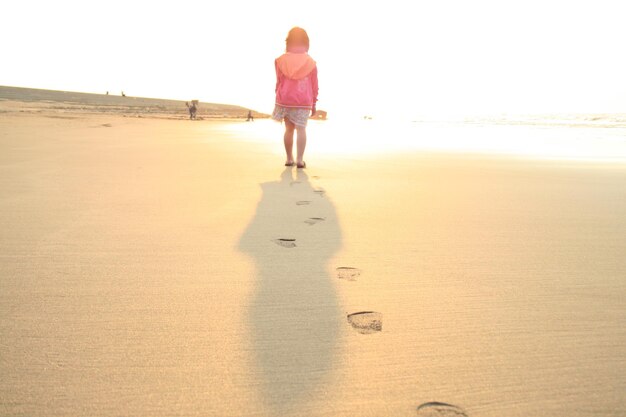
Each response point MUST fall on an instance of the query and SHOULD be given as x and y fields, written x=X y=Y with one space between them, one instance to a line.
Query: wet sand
x=163 y=267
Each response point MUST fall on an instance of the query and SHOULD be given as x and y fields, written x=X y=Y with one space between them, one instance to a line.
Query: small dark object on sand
x=193 y=109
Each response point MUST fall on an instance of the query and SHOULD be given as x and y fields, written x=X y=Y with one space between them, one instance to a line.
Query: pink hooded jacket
x=296 y=80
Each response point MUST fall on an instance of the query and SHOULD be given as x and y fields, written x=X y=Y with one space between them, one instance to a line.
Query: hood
x=295 y=66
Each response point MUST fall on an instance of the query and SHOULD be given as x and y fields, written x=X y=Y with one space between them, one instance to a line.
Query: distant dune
x=36 y=100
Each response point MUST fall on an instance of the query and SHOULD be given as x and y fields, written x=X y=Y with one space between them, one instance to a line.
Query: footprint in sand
x=303 y=203
x=320 y=192
x=366 y=322
x=437 y=409
x=107 y=125
x=313 y=220
x=285 y=243
x=315 y=177
x=348 y=273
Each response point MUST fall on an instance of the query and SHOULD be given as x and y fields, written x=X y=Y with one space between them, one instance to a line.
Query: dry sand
x=142 y=272
x=64 y=103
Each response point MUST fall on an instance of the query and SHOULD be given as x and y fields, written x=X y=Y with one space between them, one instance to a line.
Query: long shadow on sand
x=294 y=316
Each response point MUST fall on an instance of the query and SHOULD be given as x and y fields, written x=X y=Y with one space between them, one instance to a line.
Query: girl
x=296 y=92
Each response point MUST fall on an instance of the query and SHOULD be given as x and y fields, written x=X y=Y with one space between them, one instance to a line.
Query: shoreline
x=38 y=101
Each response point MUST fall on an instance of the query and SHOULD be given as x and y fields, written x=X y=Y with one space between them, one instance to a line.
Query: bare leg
x=301 y=143
x=289 y=128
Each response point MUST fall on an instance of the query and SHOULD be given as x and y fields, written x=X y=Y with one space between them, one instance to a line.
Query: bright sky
x=385 y=57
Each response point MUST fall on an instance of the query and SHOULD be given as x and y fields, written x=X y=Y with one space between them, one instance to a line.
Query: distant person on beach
x=296 y=92
x=123 y=95
x=250 y=117
x=192 y=109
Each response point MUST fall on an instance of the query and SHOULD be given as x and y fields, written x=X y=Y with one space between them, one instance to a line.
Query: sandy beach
x=167 y=267
x=64 y=103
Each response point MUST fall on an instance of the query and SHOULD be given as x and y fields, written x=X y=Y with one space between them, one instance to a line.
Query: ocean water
x=589 y=138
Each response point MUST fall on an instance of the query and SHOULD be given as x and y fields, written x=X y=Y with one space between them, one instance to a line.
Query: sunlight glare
x=360 y=138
